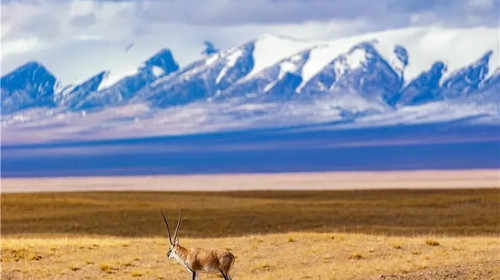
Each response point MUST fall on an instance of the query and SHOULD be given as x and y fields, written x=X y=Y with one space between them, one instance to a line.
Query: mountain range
x=369 y=80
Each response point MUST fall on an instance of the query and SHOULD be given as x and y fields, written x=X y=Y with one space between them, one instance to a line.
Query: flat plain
x=342 y=180
x=439 y=232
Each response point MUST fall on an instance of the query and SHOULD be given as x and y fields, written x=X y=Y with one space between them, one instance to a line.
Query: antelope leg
x=224 y=275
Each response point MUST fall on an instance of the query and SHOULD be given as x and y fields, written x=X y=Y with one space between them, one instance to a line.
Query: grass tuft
x=106 y=268
x=35 y=257
x=356 y=256
x=136 y=273
x=74 y=268
x=264 y=267
x=431 y=242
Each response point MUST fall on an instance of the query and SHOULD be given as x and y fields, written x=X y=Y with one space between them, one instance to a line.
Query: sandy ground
x=423 y=179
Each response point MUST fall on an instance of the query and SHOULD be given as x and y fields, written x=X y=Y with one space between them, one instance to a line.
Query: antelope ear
x=176 y=242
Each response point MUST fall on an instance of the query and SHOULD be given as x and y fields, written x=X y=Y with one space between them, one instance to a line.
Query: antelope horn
x=168 y=229
x=177 y=228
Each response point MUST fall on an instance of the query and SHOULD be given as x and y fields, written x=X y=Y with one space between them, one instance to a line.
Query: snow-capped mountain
x=424 y=88
x=201 y=79
x=492 y=83
x=159 y=65
x=274 y=81
x=31 y=85
x=361 y=70
x=72 y=96
x=467 y=80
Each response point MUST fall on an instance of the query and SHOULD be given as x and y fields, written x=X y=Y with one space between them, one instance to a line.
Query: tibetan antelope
x=198 y=260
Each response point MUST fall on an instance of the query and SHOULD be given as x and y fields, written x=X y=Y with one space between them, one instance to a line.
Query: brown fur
x=198 y=260
x=206 y=260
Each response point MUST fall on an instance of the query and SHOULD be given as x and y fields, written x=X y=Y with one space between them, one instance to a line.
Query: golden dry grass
x=273 y=256
x=394 y=234
x=221 y=214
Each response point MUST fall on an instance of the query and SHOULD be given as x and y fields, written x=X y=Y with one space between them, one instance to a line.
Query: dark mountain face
x=159 y=65
x=30 y=85
x=202 y=79
x=73 y=97
x=425 y=88
x=164 y=60
x=468 y=79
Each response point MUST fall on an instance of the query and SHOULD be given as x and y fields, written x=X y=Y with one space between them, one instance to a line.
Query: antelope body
x=199 y=260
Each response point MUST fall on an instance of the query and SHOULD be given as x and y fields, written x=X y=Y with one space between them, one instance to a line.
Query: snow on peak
x=287 y=67
x=322 y=55
x=157 y=71
x=426 y=45
x=112 y=78
x=231 y=59
x=211 y=59
x=456 y=47
x=270 y=49
x=356 y=58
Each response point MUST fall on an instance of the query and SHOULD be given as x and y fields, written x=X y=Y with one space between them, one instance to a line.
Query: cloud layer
x=88 y=32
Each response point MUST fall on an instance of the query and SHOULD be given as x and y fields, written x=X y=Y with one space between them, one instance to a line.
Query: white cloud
x=20 y=46
x=480 y=4
x=102 y=43
x=81 y=8
x=76 y=39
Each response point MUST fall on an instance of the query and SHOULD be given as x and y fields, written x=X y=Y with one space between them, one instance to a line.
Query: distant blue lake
x=320 y=148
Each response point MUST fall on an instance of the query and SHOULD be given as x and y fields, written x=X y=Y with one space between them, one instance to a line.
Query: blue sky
x=85 y=33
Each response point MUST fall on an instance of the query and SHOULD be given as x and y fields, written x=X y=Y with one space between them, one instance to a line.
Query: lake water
x=263 y=151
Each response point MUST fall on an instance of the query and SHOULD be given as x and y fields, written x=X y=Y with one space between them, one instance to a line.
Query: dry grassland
x=274 y=256
x=224 y=214
x=357 y=234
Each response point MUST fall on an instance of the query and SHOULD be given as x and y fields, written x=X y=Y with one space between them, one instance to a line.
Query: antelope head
x=174 y=242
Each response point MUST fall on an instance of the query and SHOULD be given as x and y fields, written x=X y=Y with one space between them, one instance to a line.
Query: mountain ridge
x=264 y=81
